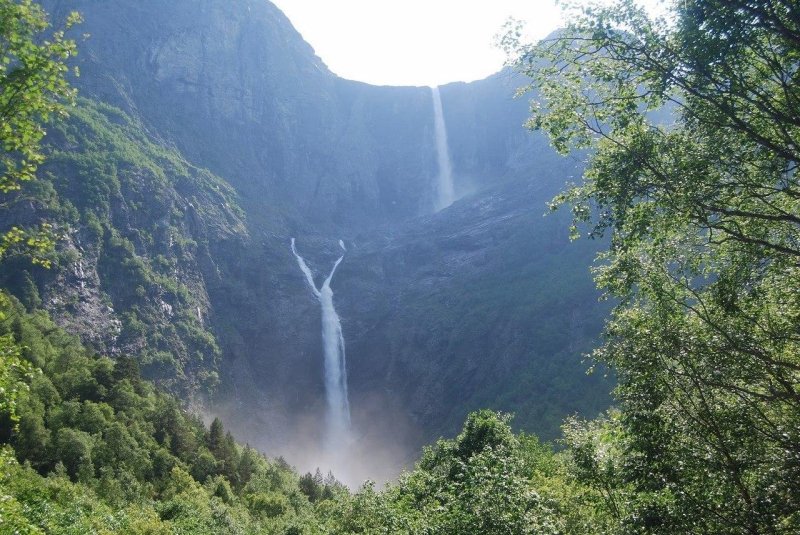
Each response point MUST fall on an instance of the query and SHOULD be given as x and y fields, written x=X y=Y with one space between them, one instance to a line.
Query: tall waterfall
x=445 y=193
x=338 y=407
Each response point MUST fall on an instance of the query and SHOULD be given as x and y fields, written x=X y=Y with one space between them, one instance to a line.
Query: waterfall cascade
x=445 y=192
x=338 y=406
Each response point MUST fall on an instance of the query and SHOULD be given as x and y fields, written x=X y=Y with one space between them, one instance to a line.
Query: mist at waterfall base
x=383 y=442
x=352 y=455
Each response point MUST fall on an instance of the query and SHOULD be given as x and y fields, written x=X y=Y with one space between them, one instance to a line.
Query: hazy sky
x=414 y=42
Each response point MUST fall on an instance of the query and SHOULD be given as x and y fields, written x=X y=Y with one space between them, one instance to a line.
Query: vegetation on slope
x=98 y=449
x=136 y=224
x=92 y=448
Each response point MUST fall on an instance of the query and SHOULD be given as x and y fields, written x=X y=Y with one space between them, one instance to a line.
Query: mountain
x=210 y=135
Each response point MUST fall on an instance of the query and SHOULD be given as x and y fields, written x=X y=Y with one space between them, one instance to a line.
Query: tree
x=216 y=437
x=15 y=373
x=248 y=463
x=309 y=487
x=29 y=292
x=693 y=123
x=75 y=449
x=479 y=482
x=33 y=88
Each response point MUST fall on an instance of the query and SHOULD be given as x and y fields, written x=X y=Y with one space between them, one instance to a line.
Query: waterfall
x=338 y=407
x=445 y=193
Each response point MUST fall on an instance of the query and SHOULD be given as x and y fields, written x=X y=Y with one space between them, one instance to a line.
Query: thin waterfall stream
x=445 y=191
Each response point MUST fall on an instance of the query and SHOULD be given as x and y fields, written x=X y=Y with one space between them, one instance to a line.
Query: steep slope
x=140 y=229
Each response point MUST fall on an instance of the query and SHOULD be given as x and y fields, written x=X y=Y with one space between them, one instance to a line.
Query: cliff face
x=237 y=90
x=140 y=231
x=482 y=304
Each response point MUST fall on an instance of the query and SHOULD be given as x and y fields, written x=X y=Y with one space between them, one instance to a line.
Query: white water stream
x=338 y=407
x=445 y=192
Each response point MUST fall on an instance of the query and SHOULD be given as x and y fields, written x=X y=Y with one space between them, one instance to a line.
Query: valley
x=308 y=155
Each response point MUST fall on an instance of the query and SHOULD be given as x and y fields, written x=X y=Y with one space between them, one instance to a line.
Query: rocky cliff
x=140 y=232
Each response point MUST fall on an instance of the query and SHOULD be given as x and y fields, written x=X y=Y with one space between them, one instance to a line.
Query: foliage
x=693 y=123
x=15 y=373
x=33 y=88
x=135 y=219
x=486 y=480
x=100 y=450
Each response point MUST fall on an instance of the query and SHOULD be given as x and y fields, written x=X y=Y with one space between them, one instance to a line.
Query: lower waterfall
x=337 y=420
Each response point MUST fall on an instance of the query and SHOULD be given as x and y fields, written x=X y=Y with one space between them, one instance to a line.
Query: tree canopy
x=693 y=128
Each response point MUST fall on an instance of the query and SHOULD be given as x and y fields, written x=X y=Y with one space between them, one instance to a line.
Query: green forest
x=691 y=124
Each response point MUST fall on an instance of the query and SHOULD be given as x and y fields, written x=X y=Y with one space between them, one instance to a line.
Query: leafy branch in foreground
x=33 y=88
x=694 y=127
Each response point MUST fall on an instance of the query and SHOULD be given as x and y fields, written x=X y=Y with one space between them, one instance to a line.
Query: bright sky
x=415 y=42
